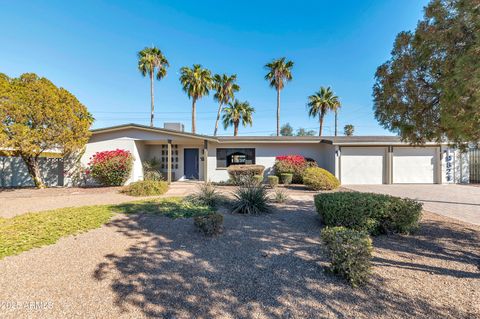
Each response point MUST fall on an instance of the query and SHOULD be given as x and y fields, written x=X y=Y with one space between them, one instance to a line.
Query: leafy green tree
x=429 y=90
x=36 y=117
x=348 y=130
x=196 y=82
x=279 y=72
x=286 y=130
x=149 y=61
x=304 y=132
x=320 y=103
x=225 y=88
x=237 y=112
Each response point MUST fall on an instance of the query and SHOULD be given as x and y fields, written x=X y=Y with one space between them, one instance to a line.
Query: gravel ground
x=267 y=266
x=20 y=201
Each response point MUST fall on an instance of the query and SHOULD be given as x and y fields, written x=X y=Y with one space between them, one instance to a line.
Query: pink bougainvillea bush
x=111 y=168
x=294 y=164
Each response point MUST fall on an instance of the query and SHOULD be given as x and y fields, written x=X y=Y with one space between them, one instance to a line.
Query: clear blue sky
x=89 y=48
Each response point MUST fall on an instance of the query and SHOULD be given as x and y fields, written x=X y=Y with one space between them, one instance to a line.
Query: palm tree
x=237 y=112
x=149 y=61
x=197 y=83
x=279 y=72
x=226 y=87
x=348 y=130
x=322 y=102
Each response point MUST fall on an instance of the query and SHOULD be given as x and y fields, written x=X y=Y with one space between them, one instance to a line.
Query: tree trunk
x=152 y=98
x=321 y=124
x=194 y=114
x=218 y=119
x=336 y=121
x=235 y=128
x=34 y=171
x=278 y=112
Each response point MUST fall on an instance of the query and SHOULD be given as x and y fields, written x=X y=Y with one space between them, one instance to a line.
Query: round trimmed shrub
x=286 y=178
x=273 y=181
x=111 y=168
x=317 y=179
x=258 y=179
x=146 y=188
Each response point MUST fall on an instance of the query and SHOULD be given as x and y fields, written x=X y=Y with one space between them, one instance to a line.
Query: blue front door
x=190 y=163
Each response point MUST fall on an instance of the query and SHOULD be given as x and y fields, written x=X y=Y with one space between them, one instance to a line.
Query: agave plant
x=250 y=199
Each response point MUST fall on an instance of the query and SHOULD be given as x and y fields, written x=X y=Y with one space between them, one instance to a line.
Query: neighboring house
x=14 y=172
x=353 y=160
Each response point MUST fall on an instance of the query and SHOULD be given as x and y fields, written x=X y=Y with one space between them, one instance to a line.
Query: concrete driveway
x=456 y=201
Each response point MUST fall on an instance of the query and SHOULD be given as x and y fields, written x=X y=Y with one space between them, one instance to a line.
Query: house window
x=235 y=156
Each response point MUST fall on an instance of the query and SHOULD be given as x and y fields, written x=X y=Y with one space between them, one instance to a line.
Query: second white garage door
x=362 y=165
x=414 y=165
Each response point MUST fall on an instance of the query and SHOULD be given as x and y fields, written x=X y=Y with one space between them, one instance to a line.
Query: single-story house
x=353 y=160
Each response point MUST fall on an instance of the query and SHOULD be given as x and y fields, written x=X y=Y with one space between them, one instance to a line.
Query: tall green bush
x=350 y=253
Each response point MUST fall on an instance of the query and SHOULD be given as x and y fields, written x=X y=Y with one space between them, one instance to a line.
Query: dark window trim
x=227 y=150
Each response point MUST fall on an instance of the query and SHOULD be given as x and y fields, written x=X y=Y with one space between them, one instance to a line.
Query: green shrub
x=317 y=179
x=258 y=179
x=240 y=174
x=206 y=195
x=250 y=199
x=146 y=188
x=286 y=178
x=280 y=196
x=273 y=181
x=209 y=224
x=373 y=213
x=350 y=253
x=111 y=168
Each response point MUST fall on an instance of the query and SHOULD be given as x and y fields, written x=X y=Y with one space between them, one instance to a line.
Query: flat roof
x=334 y=140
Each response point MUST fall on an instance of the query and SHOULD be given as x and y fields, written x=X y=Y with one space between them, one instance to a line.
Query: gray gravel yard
x=267 y=266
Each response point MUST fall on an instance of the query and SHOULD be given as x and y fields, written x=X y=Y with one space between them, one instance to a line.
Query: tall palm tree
x=226 y=87
x=322 y=102
x=279 y=72
x=149 y=61
x=197 y=83
x=237 y=112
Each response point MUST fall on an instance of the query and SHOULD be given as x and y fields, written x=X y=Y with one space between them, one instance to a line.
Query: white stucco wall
x=265 y=154
x=99 y=144
x=455 y=166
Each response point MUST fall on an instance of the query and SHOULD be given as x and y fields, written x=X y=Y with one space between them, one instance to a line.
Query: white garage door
x=414 y=165
x=362 y=165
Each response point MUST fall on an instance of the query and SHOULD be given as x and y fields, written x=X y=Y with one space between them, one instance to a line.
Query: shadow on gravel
x=261 y=266
x=437 y=241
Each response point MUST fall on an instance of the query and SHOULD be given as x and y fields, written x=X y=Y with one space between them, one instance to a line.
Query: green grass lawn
x=24 y=232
